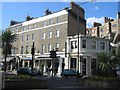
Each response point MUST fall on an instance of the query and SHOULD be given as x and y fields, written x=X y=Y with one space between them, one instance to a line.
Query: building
x=89 y=47
x=47 y=32
x=107 y=30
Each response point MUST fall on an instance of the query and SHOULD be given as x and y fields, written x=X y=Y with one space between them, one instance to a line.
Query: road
x=63 y=83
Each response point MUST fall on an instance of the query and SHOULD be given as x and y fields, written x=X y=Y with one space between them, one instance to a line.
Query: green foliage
x=105 y=65
x=7 y=43
x=18 y=77
x=7 y=39
x=103 y=62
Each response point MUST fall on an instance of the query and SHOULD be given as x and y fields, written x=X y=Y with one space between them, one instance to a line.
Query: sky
x=94 y=11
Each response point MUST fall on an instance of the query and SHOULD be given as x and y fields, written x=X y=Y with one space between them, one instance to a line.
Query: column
x=11 y=66
x=80 y=68
x=44 y=66
x=88 y=66
x=18 y=62
x=28 y=63
x=60 y=67
x=23 y=63
x=66 y=63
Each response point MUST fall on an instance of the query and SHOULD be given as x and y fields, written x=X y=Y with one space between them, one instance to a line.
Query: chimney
x=47 y=12
x=96 y=24
x=108 y=20
x=118 y=15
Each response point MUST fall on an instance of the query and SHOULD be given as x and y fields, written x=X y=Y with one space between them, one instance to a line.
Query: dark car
x=70 y=73
x=24 y=71
x=36 y=72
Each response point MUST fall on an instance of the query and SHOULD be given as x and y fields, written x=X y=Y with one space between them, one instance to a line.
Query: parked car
x=70 y=73
x=37 y=72
x=28 y=71
x=24 y=71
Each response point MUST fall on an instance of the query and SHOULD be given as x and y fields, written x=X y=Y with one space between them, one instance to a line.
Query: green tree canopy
x=7 y=43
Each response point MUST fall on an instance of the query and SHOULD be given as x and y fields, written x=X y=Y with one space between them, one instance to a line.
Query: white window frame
x=50 y=22
x=50 y=34
x=43 y=35
x=23 y=28
x=49 y=47
x=43 y=49
x=57 y=46
x=44 y=23
x=57 y=34
x=102 y=46
x=22 y=38
x=22 y=49
x=93 y=44
x=27 y=38
x=28 y=27
x=34 y=25
x=57 y=20
x=33 y=37
x=27 y=48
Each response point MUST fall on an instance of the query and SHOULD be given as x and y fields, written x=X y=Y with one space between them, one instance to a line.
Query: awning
x=8 y=59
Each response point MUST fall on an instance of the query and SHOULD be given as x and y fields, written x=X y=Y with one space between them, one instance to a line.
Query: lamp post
x=78 y=19
x=33 y=55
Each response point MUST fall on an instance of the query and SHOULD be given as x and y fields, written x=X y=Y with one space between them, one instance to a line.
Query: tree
x=105 y=65
x=7 y=43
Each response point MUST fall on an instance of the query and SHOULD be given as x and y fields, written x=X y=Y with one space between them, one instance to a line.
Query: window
x=101 y=30
x=50 y=34
x=49 y=47
x=27 y=48
x=34 y=26
x=24 y=28
x=43 y=35
x=102 y=46
x=12 y=30
x=57 y=32
x=83 y=43
x=50 y=21
x=27 y=37
x=16 y=29
x=22 y=49
x=22 y=38
x=93 y=45
x=28 y=27
x=44 y=24
x=114 y=25
x=57 y=20
x=43 y=48
x=33 y=36
x=56 y=46
x=73 y=44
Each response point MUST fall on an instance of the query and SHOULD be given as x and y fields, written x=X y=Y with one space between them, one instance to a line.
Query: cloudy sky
x=94 y=11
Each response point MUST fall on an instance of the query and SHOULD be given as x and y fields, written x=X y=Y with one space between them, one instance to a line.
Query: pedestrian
x=48 y=73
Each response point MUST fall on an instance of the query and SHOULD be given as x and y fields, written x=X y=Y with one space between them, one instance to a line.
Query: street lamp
x=79 y=31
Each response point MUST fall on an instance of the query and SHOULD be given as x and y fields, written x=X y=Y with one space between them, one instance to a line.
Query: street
x=59 y=83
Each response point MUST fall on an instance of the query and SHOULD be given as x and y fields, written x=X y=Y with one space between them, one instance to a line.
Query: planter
x=100 y=83
x=25 y=84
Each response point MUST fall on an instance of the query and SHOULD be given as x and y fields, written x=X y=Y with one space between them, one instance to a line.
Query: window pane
x=50 y=21
x=33 y=36
x=27 y=37
x=83 y=43
x=93 y=45
x=57 y=32
x=50 y=34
